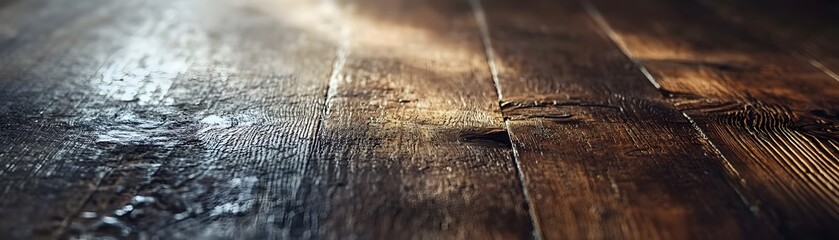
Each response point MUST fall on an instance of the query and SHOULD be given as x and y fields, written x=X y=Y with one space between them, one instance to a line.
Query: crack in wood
x=487 y=137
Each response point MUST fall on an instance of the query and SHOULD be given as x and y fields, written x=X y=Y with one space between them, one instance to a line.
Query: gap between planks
x=483 y=28
x=604 y=27
x=343 y=52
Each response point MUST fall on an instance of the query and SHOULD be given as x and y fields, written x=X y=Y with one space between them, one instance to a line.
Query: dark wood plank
x=772 y=115
x=174 y=119
x=603 y=154
x=413 y=145
x=184 y=119
x=41 y=188
x=805 y=28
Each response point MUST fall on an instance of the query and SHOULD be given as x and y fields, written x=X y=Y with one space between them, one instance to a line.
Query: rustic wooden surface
x=399 y=119
x=771 y=114
x=604 y=155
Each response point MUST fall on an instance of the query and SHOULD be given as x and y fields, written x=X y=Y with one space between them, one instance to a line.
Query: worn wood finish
x=412 y=143
x=158 y=118
x=399 y=119
x=42 y=188
x=602 y=153
x=772 y=115
x=255 y=119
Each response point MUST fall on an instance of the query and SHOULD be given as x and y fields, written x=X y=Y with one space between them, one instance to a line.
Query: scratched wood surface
x=399 y=119
x=169 y=124
x=603 y=154
x=771 y=114
x=412 y=144
x=115 y=141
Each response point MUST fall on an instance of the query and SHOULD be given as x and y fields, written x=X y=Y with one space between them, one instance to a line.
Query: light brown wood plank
x=603 y=154
x=772 y=115
x=413 y=145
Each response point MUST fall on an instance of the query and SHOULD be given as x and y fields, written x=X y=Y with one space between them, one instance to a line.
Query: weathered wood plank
x=174 y=119
x=603 y=154
x=771 y=115
x=41 y=188
x=413 y=145
x=184 y=119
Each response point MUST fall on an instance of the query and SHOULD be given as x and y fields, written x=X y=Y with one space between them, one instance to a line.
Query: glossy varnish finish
x=398 y=119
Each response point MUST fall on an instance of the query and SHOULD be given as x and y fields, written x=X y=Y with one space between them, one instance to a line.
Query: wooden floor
x=403 y=119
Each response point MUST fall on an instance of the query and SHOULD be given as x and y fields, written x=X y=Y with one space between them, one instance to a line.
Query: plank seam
x=337 y=66
x=338 y=62
x=483 y=28
x=734 y=176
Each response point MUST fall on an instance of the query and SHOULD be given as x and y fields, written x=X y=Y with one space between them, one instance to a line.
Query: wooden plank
x=771 y=115
x=173 y=119
x=603 y=154
x=41 y=188
x=807 y=29
x=183 y=119
x=413 y=145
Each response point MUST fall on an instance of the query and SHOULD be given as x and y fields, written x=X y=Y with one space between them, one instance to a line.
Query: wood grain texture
x=400 y=119
x=157 y=119
x=770 y=114
x=413 y=145
x=251 y=119
x=603 y=154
